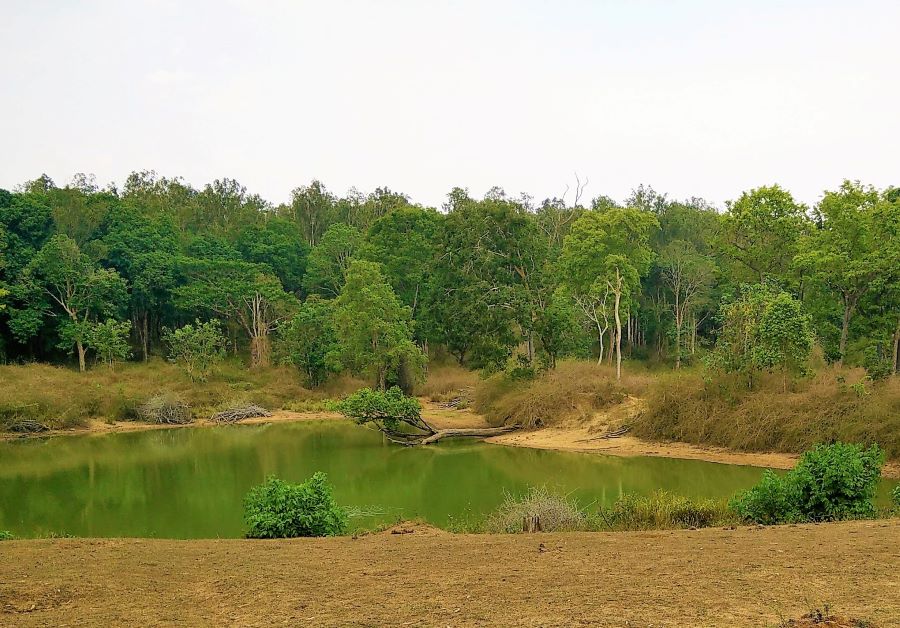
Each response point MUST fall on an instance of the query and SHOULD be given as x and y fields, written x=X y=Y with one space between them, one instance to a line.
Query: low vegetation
x=541 y=510
x=60 y=397
x=6 y=535
x=829 y=483
x=574 y=389
x=719 y=409
x=277 y=509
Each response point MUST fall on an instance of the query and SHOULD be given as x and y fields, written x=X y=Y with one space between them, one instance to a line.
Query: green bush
x=773 y=500
x=6 y=535
x=895 y=496
x=830 y=482
x=277 y=509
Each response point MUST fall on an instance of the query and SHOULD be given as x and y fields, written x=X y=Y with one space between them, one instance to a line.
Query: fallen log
x=475 y=432
x=233 y=415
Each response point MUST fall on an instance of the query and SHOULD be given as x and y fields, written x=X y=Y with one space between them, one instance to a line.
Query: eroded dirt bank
x=712 y=577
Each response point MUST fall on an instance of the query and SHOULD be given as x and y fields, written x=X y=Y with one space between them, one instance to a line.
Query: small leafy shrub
x=555 y=513
x=197 y=348
x=830 y=482
x=277 y=509
x=110 y=340
x=165 y=408
x=661 y=511
x=773 y=500
x=6 y=535
x=895 y=497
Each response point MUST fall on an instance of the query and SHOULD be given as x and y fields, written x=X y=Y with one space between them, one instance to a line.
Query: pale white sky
x=702 y=98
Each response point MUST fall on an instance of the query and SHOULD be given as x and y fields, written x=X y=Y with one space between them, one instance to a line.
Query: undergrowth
x=574 y=389
x=721 y=410
x=61 y=397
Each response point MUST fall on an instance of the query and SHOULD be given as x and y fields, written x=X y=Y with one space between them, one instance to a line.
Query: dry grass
x=62 y=397
x=556 y=513
x=663 y=511
x=574 y=389
x=836 y=404
x=445 y=381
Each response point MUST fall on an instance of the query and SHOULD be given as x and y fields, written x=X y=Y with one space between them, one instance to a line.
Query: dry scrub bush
x=445 y=381
x=166 y=408
x=556 y=513
x=835 y=405
x=574 y=389
x=62 y=397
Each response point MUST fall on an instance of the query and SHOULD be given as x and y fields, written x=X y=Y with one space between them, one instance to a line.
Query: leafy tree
x=559 y=329
x=764 y=329
x=110 y=340
x=279 y=244
x=309 y=340
x=330 y=258
x=855 y=248
x=198 y=348
x=607 y=253
x=689 y=276
x=312 y=208
x=405 y=243
x=243 y=293
x=84 y=293
x=760 y=232
x=374 y=329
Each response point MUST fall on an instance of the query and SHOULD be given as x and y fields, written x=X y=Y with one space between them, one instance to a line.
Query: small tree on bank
x=399 y=417
x=110 y=340
x=197 y=348
x=765 y=329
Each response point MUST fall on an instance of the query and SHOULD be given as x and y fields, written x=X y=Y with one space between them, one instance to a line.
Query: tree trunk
x=618 y=331
x=81 y=361
x=260 y=351
x=896 y=348
x=849 y=305
x=480 y=432
x=600 y=339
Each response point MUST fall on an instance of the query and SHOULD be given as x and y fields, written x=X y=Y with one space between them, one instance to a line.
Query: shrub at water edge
x=830 y=482
x=277 y=509
x=6 y=535
x=662 y=511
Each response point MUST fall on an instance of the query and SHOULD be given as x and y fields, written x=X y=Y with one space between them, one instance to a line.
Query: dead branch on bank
x=233 y=415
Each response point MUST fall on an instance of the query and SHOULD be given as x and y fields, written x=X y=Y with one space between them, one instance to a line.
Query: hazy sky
x=697 y=98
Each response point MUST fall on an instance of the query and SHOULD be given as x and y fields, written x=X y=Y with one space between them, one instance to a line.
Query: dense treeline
x=370 y=283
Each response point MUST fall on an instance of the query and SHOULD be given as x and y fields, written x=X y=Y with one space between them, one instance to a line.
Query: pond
x=190 y=482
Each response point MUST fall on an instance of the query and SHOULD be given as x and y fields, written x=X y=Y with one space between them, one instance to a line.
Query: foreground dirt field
x=714 y=577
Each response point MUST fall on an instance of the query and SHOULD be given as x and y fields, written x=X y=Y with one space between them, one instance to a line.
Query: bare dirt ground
x=419 y=576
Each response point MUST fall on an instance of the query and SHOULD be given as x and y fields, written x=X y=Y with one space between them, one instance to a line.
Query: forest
x=372 y=283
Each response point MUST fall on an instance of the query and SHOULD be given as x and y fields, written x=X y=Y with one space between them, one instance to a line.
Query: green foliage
x=197 y=348
x=774 y=499
x=110 y=340
x=330 y=260
x=895 y=497
x=388 y=408
x=830 y=482
x=764 y=329
x=373 y=328
x=277 y=509
x=6 y=535
x=308 y=339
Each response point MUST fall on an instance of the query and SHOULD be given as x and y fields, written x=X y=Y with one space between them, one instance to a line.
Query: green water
x=189 y=483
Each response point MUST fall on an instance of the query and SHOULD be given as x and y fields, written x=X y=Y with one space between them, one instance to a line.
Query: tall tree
x=689 y=276
x=84 y=293
x=760 y=232
x=330 y=259
x=855 y=247
x=374 y=329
